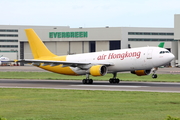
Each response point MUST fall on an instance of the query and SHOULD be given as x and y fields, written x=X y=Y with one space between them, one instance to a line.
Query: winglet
x=161 y=45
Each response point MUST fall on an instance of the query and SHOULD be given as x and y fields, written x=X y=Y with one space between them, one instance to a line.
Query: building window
x=149 y=33
x=162 y=33
x=8 y=30
x=8 y=46
x=8 y=35
x=154 y=33
x=147 y=39
x=170 y=33
x=92 y=46
x=22 y=52
x=146 y=33
x=114 y=45
x=11 y=51
x=131 y=33
x=8 y=40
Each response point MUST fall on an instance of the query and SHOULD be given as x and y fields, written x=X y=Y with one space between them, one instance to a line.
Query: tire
x=90 y=81
x=111 y=80
x=84 y=81
x=154 y=76
x=117 y=80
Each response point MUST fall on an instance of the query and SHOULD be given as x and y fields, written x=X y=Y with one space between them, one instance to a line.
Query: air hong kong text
x=120 y=56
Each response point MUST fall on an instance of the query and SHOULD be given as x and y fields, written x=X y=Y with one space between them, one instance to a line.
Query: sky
x=89 y=13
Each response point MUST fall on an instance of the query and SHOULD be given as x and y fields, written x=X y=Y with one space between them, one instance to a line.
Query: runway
x=97 y=85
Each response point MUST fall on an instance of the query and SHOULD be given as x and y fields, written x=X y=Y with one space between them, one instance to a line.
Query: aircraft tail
x=161 y=45
x=37 y=46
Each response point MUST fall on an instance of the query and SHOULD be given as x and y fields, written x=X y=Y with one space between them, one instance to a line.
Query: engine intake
x=98 y=70
x=141 y=72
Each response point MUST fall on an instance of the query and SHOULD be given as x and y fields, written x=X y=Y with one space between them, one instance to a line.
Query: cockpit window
x=162 y=52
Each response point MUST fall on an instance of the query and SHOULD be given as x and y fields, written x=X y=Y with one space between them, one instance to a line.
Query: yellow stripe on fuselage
x=57 y=69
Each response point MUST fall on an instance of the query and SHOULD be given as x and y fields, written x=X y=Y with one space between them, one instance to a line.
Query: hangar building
x=63 y=40
x=177 y=38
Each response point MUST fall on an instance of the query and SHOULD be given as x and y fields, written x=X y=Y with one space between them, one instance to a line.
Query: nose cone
x=163 y=59
x=168 y=58
x=171 y=57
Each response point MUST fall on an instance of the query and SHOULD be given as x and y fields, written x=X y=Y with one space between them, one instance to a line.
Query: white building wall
x=51 y=46
x=102 y=46
x=27 y=51
x=62 y=48
x=177 y=35
x=10 y=55
x=135 y=44
x=75 y=47
x=86 y=47
x=177 y=26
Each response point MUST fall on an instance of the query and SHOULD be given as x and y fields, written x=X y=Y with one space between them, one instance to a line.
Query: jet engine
x=98 y=70
x=141 y=72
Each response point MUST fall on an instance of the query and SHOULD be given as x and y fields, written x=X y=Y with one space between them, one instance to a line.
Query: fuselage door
x=149 y=53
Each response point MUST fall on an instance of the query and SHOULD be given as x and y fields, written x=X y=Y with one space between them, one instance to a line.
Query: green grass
x=50 y=104
x=54 y=76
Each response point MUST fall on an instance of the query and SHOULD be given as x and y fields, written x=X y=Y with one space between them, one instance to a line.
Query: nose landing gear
x=154 y=75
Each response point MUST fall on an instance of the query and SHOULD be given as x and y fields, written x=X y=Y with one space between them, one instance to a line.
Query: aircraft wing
x=63 y=63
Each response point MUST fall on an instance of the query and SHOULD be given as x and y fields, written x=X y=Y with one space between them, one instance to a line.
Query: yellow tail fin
x=37 y=46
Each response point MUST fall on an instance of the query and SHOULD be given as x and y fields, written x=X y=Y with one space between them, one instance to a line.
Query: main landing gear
x=87 y=80
x=154 y=75
x=114 y=79
x=111 y=80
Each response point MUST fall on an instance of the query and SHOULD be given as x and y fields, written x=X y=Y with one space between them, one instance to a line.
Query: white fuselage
x=144 y=58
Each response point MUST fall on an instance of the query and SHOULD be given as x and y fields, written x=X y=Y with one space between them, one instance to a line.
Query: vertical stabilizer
x=161 y=45
x=37 y=46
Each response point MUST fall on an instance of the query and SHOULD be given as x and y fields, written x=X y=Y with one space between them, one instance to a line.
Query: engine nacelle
x=141 y=72
x=98 y=70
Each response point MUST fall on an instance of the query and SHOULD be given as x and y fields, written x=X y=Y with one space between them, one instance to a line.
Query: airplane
x=139 y=61
x=4 y=60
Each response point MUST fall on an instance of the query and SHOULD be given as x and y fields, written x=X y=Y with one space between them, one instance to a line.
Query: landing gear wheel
x=84 y=81
x=87 y=81
x=112 y=80
x=154 y=75
x=117 y=80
